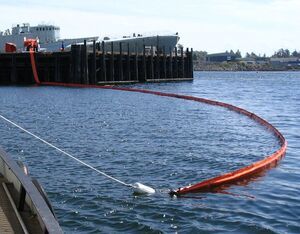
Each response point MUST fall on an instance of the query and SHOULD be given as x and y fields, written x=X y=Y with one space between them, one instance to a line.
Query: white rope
x=65 y=153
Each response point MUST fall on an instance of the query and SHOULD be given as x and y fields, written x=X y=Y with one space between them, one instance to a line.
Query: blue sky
x=262 y=26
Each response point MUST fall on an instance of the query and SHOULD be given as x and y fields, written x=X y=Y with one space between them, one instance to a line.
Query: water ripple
x=165 y=143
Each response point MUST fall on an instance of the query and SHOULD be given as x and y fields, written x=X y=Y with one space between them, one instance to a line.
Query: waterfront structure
x=221 y=57
x=99 y=66
x=289 y=62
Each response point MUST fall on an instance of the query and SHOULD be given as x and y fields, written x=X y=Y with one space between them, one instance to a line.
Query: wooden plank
x=8 y=220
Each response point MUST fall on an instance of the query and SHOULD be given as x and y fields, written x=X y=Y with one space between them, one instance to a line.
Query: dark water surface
x=165 y=143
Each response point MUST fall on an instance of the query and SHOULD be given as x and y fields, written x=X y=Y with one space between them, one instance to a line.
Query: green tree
x=199 y=56
x=287 y=53
x=282 y=53
x=253 y=55
x=238 y=54
x=295 y=53
x=179 y=46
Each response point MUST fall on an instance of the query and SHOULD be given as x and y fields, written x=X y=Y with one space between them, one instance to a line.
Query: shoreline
x=240 y=67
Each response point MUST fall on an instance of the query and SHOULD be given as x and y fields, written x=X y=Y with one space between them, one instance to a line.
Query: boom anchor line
x=137 y=187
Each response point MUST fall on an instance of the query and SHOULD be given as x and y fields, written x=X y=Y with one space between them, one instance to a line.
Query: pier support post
x=176 y=74
x=143 y=77
x=103 y=63
x=93 y=79
x=191 y=64
x=120 y=62
x=128 y=72
x=76 y=63
x=187 y=63
x=85 y=64
x=111 y=64
x=164 y=63
x=182 y=63
x=170 y=64
x=157 y=65
x=151 y=64
x=136 y=67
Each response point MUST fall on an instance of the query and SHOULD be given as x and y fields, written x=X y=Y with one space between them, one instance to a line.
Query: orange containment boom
x=212 y=184
x=245 y=172
x=238 y=175
x=32 y=46
x=33 y=66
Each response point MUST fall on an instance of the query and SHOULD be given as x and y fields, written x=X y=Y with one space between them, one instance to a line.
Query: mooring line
x=65 y=153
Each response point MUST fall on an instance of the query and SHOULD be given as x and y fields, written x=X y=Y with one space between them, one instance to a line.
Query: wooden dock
x=95 y=65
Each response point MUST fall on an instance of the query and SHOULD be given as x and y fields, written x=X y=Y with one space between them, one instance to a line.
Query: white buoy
x=142 y=189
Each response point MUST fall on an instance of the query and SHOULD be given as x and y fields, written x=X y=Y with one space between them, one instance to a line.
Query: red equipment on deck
x=31 y=44
x=10 y=47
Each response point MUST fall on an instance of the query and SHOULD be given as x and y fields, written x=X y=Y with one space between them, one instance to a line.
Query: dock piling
x=120 y=69
x=103 y=63
x=136 y=67
x=128 y=76
x=93 y=79
x=97 y=66
x=164 y=63
x=85 y=63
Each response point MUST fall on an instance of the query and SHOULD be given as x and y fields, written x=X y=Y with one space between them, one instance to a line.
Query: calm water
x=165 y=143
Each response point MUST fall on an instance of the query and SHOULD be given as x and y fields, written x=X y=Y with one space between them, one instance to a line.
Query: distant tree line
x=281 y=53
x=285 y=53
